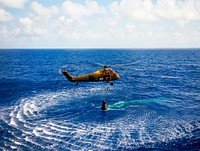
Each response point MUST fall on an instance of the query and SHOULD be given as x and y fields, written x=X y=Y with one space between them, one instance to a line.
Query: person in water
x=104 y=105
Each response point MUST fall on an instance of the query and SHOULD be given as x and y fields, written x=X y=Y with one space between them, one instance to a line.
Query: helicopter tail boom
x=68 y=75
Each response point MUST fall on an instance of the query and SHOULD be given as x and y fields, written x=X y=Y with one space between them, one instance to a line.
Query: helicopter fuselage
x=105 y=74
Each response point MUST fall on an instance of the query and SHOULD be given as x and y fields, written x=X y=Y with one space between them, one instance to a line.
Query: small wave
x=169 y=77
x=48 y=121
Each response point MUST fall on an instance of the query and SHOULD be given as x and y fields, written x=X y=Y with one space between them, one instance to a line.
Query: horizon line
x=136 y=48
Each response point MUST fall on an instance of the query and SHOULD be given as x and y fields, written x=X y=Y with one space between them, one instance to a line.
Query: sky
x=99 y=23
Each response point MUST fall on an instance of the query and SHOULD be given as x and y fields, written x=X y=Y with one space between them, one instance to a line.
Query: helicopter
x=105 y=74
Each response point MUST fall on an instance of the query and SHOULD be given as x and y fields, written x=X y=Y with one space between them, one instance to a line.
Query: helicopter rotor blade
x=100 y=64
x=125 y=64
x=96 y=64
x=118 y=64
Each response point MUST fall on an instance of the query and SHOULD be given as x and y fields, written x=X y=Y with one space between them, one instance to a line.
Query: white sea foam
x=26 y=109
x=18 y=143
x=58 y=130
x=58 y=125
x=30 y=117
x=20 y=116
x=28 y=139
x=13 y=147
x=13 y=122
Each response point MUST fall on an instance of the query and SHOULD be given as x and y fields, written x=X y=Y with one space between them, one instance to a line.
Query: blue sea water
x=155 y=104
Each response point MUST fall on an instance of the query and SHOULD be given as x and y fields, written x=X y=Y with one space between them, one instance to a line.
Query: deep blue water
x=155 y=104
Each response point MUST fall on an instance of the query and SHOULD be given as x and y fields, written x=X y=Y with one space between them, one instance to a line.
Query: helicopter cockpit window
x=111 y=70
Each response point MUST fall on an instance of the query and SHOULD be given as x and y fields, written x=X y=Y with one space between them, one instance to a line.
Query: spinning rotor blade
x=125 y=64
x=117 y=65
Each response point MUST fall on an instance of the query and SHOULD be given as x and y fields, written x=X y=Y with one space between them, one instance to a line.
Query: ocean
x=154 y=105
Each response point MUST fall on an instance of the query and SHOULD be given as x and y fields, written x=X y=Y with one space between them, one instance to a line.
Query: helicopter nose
x=117 y=76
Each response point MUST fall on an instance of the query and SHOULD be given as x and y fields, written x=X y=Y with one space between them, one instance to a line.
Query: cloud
x=95 y=35
x=177 y=10
x=77 y=10
x=123 y=23
x=29 y=29
x=147 y=10
x=65 y=22
x=3 y=31
x=25 y=21
x=134 y=10
x=13 y=3
x=37 y=22
x=5 y=16
x=43 y=11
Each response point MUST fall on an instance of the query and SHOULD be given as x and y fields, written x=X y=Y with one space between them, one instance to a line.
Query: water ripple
x=33 y=121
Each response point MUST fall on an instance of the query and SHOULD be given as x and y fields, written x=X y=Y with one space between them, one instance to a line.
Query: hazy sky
x=99 y=23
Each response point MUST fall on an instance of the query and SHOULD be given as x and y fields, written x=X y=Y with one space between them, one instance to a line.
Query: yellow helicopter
x=104 y=74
